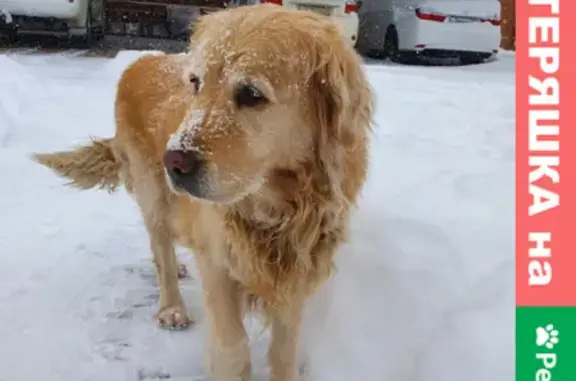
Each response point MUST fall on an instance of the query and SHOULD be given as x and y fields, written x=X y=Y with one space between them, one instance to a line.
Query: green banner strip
x=545 y=343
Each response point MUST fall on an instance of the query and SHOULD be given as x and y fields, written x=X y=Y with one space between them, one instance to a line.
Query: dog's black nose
x=185 y=170
x=181 y=162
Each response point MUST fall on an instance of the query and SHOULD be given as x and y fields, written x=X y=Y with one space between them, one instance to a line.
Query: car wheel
x=9 y=28
x=392 y=49
x=391 y=45
x=376 y=53
x=98 y=10
x=95 y=25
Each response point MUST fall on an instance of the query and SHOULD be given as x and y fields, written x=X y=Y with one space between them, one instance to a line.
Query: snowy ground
x=425 y=289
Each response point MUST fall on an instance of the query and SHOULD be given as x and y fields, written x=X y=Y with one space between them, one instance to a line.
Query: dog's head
x=269 y=90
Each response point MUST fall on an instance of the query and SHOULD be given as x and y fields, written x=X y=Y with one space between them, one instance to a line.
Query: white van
x=405 y=30
x=82 y=20
x=345 y=12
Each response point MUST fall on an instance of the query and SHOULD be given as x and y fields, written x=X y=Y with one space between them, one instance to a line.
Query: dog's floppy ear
x=205 y=23
x=197 y=28
x=342 y=100
x=345 y=107
x=211 y=23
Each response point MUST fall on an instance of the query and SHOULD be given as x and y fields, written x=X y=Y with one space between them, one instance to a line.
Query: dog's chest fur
x=274 y=254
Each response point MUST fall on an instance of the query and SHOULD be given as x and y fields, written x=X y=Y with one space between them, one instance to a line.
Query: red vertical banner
x=567 y=76
x=545 y=153
x=545 y=190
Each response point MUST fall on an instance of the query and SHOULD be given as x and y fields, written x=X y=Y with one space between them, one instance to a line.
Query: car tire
x=9 y=38
x=9 y=29
x=99 y=18
x=95 y=25
x=475 y=58
x=390 y=49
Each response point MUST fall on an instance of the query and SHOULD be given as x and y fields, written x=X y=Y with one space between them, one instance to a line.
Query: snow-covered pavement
x=424 y=291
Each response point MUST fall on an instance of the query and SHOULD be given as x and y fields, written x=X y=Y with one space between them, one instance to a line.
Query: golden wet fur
x=281 y=178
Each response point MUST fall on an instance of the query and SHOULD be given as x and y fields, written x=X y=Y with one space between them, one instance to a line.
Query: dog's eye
x=195 y=81
x=248 y=96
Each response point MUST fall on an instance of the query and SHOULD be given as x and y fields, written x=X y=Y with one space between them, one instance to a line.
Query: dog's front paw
x=173 y=317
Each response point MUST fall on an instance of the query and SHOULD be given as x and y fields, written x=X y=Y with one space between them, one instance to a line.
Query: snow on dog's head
x=272 y=93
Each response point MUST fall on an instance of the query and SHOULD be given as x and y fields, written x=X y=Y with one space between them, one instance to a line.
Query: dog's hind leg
x=154 y=198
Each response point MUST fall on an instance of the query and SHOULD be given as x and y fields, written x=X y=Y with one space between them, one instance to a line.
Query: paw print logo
x=547 y=336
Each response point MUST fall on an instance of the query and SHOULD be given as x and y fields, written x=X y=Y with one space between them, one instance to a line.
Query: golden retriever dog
x=250 y=150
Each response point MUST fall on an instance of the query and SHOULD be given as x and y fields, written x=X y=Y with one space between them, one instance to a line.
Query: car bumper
x=349 y=24
x=61 y=9
x=467 y=37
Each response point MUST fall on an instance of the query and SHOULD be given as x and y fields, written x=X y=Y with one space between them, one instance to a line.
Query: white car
x=406 y=30
x=81 y=20
x=345 y=12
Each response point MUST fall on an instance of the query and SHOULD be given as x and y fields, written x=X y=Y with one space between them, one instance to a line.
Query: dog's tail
x=91 y=166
